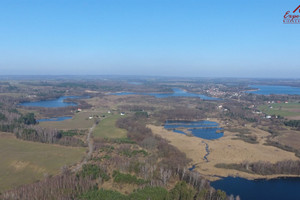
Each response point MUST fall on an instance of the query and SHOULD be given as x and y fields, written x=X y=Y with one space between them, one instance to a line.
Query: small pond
x=203 y=129
x=54 y=119
x=135 y=83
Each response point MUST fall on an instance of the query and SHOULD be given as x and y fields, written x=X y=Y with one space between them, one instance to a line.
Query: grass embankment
x=23 y=162
x=282 y=109
x=107 y=128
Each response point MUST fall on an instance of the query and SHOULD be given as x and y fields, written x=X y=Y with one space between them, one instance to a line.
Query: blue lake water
x=135 y=83
x=55 y=103
x=59 y=102
x=274 y=89
x=275 y=189
x=203 y=129
x=177 y=92
x=54 y=119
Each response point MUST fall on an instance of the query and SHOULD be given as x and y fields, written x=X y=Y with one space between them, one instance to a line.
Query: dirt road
x=89 y=154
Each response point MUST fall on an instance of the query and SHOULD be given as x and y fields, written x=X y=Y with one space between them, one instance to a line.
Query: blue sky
x=149 y=37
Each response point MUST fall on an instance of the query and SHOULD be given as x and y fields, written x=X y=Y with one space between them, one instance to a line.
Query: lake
x=177 y=92
x=203 y=129
x=55 y=103
x=135 y=83
x=54 y=119
x=275 y=189
x=274 y=89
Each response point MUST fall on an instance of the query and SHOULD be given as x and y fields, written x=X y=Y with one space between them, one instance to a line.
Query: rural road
x=90 y=146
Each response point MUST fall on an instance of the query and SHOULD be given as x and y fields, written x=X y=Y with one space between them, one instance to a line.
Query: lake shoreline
x=273 y=89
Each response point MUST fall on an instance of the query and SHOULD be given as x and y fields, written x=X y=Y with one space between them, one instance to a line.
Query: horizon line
x=152 y=76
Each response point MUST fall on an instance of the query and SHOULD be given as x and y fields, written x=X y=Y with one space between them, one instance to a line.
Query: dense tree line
x=94 y=171
x=181 y=191
x=266 y=168
x=138 y=132
x=292 y=123
x=70 y=186
x=11 y=119
x=65 y=186
x=46 y=135
x=180 y=113
x=136 y=108
x=283 y=146
x=28 y=119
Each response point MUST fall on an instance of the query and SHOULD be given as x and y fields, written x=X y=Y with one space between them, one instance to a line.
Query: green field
x=24 y=162
x=79 y=121
x=107 y=128
x=282 y=109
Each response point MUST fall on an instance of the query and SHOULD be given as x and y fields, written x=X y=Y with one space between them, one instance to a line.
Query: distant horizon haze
x=140 y=76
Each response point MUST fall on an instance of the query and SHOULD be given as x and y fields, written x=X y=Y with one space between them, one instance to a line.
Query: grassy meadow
x=107 y=128
x=24 y=162
x=282 y=109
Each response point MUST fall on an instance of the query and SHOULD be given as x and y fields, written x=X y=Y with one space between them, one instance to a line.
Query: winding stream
x=207 y=151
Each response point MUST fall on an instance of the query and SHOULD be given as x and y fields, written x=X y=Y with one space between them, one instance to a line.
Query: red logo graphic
x=292 y=18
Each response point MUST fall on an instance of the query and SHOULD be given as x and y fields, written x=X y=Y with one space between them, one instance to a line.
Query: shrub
x=93 y=171
x=127 y=178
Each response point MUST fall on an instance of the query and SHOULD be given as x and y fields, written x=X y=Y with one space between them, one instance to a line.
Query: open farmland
x=288 y=110
x=24 y=162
